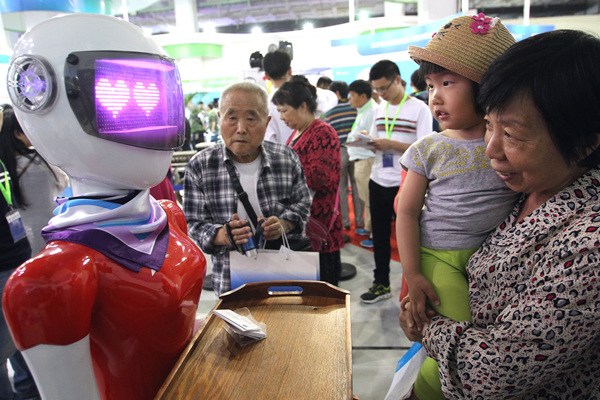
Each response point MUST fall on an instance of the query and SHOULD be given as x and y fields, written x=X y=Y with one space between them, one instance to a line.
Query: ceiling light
x=363 y=14
x=308 y=26
x=208 y=27
x=256 y=29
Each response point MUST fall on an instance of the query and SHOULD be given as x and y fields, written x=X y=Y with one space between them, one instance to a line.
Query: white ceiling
x=285 y=15
x=238 y=16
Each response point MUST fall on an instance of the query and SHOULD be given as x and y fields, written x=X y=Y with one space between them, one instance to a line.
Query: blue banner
x=68 y=6
x=396 y=40
x=393 y=40
x=521 y=32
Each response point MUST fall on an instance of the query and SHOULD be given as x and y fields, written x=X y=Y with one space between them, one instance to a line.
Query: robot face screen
x=126 y=97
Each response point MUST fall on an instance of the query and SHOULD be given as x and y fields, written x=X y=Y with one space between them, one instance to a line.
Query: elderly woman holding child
x=534 y=284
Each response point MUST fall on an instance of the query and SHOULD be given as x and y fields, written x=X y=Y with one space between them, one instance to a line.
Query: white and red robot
x=104 y=311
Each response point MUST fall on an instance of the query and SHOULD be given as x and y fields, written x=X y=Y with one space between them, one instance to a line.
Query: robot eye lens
x=31 y=83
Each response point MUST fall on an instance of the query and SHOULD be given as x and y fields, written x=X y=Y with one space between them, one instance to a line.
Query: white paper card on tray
x=241 y=324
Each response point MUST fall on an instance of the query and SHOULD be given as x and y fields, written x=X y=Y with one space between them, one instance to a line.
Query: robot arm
x=63 y=372
x=48 y=303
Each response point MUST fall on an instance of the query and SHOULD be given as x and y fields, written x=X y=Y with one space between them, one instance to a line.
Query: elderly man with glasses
x=400 y=121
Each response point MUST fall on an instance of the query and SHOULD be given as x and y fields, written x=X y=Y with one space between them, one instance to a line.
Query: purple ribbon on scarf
x=134 y=234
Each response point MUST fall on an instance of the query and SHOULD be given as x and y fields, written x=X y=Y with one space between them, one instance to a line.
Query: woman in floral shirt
x=534 y=285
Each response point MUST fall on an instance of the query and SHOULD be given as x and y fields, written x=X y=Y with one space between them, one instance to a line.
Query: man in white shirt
x=278 y=69
x=359 y=93
x=399 y=122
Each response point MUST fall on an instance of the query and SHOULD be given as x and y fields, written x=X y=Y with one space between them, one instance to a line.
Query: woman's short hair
x=296 y=91
x=249 y=87
x=558 y=70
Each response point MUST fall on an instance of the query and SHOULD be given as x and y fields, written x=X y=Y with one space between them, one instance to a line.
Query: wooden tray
x=307 y=353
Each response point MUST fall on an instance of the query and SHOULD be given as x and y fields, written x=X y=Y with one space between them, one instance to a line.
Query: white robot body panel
x=107 y=307
x=80 y=155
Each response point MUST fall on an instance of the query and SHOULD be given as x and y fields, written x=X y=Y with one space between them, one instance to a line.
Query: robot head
x=96 y=98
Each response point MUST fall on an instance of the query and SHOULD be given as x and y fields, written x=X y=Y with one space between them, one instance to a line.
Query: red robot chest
x=142 y=321
x=138 y=322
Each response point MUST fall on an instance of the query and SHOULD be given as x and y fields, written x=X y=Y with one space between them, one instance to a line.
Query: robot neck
x=91 y=188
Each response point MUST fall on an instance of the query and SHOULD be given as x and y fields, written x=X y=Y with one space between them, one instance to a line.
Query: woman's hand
x=422 y=294
x=407 y=322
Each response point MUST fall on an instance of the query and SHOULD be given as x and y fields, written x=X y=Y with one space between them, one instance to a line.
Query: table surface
x=307 y=353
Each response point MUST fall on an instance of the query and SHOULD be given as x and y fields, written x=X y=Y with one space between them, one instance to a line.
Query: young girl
x=451 y=198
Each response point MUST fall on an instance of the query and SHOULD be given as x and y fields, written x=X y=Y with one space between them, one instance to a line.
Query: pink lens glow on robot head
x=113 y=98
x=146 y=97
x=138 y=102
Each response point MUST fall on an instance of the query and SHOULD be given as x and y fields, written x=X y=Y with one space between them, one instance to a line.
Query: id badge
x=15 y=224
x=388 y=160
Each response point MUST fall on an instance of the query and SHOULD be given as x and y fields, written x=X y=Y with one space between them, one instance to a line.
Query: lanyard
x=360 y=113
x=5 y=185
x=390 y=128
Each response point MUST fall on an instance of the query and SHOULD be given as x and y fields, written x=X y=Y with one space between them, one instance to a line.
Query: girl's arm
x=408 y=237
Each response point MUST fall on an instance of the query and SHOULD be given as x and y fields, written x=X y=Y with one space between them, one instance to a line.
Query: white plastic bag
x=273 y=265
x=407 y=370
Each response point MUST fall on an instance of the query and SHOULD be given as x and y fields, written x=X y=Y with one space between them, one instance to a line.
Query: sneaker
x=362 y=232
x=377 y=292
x=368 y=243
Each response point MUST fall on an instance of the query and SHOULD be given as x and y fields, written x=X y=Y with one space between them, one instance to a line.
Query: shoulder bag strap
x=242 y=195
x=335 y=209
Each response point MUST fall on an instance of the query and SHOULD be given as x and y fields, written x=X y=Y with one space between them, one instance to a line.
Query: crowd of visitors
x=487 y=167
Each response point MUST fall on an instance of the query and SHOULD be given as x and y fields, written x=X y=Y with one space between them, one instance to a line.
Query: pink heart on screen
x=146 y=97
x=113 y=98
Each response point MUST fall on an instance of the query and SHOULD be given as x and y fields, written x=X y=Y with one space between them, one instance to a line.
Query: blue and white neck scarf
x=130 y=229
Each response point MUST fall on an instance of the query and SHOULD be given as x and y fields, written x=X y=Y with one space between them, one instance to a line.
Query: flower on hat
x=480 y=24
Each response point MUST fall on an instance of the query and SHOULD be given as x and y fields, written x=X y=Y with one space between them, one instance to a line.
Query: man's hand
x=273 y=227
x=382 y=144
x=240 y=232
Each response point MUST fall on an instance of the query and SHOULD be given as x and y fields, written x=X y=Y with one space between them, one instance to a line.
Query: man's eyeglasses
x=383 y=89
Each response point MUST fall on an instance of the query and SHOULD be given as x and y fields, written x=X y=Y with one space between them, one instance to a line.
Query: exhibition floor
x=377 y=340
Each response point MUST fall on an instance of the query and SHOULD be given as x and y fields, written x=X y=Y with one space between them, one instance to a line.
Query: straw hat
x=466 y=45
